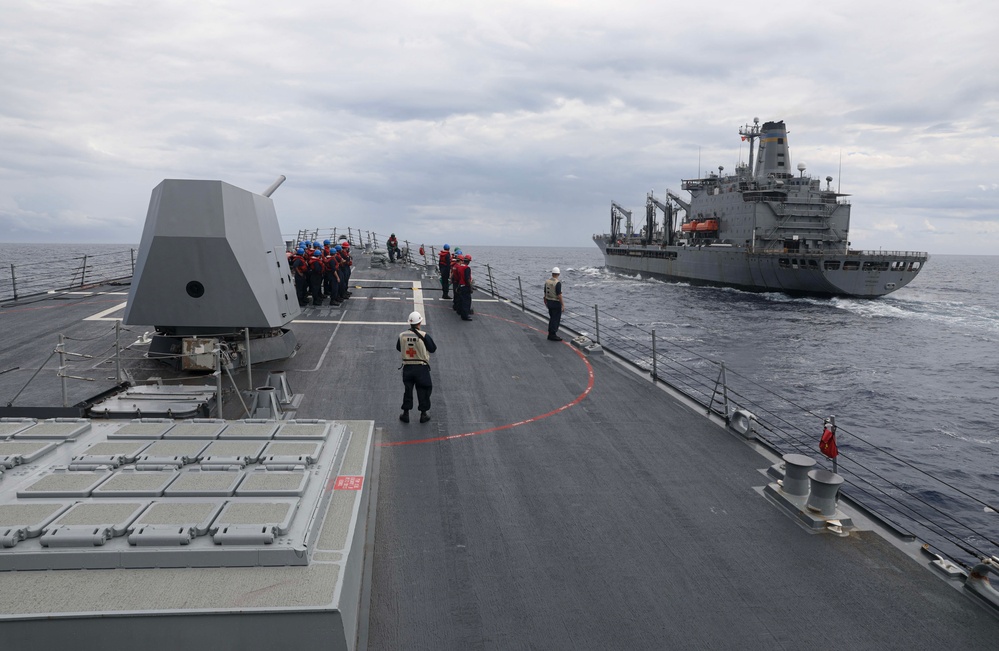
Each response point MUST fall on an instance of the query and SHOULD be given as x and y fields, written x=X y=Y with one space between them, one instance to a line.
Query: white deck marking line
x=418 y=305
x=399 y=323
x=53 y=291
x=102 y=316
x=325 y=350
x=474 y=300
x=385 y=298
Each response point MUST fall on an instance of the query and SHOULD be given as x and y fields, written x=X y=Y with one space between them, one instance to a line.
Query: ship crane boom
x=680 y=202
x=618 y=213
x=668 y=213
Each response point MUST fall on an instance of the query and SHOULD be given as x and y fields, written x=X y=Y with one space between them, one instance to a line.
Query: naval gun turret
x=212 y=267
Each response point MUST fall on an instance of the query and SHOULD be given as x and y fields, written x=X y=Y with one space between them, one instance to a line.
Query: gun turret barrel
x=275 y=185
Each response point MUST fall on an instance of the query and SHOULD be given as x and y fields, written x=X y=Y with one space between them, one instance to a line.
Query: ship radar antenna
x=839 y=181
x=828 y=183
x=801 y=169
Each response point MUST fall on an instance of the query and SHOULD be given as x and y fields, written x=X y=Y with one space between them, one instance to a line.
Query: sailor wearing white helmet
x=555 y=304
x=415 y=347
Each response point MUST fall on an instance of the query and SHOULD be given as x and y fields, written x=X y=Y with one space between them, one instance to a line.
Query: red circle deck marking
x=579 y=398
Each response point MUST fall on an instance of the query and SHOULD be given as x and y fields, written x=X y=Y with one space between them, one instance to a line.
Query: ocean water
x=912 y=377
x=30 y=269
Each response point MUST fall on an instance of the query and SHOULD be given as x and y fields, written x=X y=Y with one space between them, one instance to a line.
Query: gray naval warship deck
x=760 y=229
x=538 y=509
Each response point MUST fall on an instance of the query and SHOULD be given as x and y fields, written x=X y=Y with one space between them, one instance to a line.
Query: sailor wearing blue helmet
x=444 y=266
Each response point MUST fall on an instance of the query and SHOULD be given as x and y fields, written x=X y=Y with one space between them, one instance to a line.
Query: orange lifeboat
x=689 y=227
x=708 y=225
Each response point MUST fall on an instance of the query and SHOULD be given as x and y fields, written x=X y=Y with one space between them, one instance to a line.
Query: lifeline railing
x=18 y=281
x=368 y=240
x=73 y=365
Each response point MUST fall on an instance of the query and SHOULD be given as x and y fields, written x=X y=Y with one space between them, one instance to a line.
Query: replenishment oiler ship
x=762 y=229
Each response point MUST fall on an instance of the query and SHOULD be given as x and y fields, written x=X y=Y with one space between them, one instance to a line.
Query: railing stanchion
x=596 y=321
x=721 y=381
x=655 y=373
x=83 y=271
x=61 y=348
x=13 y=280
x=492 y=285
x=521 y=286
x=117 y=351
x=218 y=377
x=249 y=362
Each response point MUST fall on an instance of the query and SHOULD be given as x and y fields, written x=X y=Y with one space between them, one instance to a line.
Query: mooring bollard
x=796 y=469
x=822 y=491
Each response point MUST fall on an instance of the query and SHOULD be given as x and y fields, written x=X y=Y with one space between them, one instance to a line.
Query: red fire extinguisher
x=827 y=444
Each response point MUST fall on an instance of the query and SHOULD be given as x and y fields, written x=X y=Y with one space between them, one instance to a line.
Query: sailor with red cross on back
x=416 y=347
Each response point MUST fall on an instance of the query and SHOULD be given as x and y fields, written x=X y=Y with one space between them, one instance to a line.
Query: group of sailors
x=321 y=271
x=456 y=272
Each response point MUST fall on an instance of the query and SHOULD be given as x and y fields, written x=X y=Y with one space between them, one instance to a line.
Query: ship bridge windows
x=905 y=265
x=831 y=265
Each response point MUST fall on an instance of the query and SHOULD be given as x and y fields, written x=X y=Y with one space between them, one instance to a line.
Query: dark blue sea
x=912 y=377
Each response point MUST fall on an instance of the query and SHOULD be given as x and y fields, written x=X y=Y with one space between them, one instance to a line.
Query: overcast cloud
x=493 y=123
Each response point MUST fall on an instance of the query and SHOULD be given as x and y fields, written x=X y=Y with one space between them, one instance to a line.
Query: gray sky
x=493 y=123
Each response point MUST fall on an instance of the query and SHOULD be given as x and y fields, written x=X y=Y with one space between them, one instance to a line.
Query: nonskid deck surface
x=555 y=501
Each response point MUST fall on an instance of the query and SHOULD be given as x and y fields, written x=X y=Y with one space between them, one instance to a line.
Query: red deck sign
x=348 y=483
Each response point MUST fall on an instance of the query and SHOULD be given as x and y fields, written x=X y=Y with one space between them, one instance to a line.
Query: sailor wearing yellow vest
x=555 y=304
x=415 y=348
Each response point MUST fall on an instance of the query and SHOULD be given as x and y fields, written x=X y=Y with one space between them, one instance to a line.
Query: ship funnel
x=773 y=157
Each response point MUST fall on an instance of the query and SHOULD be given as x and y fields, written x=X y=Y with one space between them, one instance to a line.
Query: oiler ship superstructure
x=761 y=229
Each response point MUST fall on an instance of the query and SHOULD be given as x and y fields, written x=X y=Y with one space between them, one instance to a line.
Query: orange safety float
x=689 y=226
x=708 y=225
